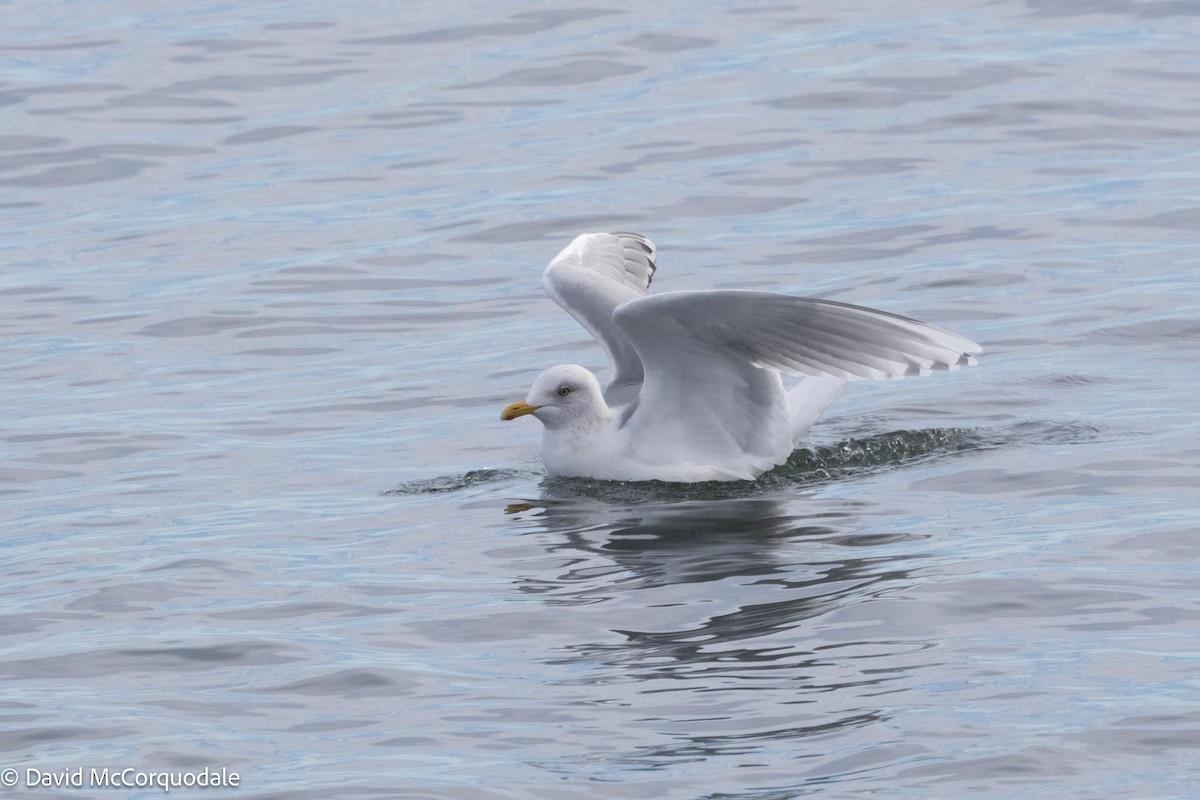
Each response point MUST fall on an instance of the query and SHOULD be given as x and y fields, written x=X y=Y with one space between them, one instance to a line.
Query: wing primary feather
x=797 y=335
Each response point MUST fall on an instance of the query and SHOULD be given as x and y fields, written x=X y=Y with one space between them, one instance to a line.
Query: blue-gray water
x=270 y=270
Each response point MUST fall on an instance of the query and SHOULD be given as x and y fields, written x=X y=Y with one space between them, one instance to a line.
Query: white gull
x=696 y=392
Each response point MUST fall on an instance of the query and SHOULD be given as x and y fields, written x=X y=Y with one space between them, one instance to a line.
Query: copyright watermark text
x=119 y=778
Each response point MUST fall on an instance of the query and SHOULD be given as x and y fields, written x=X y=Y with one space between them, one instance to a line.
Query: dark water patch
x=83 y=165
x=572 y=73
x=159 y=100
x=86 y=44
x=299 y=26
x=77 y=457
x=723 y=206
x=269 y=134
x=1122 y=8
x=352 y=683
x=28 y=474
x=226 y=45
x=979 y=280
x=20 y=739
x=1072 y=380
x=1186 y=219
x=139 y=661
x=524 y=24
x=416 y=118
x=195 y=564
x=290 y=351
x=257 y=81
x=129 y=598
x=682 y=151
x=200 y=326
x=871 y=236
x=663 y=42
x=105 y=169
x=23 y=290
x=1148 y=735
x=1053 y=433
x=904 y=241
x=966 y=79
x=15 y=96
x=1165 y=331
x=343 y=281
x=852 y=99
x=19 y=142
x=298 y=610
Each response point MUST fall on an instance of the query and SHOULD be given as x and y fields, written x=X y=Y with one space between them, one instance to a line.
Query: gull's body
x=697 y=392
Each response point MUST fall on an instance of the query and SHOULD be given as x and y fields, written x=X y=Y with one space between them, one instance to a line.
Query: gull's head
x=561 y=396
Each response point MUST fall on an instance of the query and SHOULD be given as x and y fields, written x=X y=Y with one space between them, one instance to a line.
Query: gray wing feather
x=712 y=361
x=794 y=335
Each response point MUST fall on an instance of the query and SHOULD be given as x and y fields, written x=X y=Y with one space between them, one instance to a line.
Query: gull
x=696 y=390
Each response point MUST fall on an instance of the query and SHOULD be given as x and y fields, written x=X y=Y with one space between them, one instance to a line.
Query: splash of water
x=806 y=466
x=455 y=483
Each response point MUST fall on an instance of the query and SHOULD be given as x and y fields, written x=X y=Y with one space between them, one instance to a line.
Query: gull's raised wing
x=593 y=275
x=711 y=361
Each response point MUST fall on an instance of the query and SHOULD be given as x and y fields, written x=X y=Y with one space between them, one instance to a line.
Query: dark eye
x=564 y=391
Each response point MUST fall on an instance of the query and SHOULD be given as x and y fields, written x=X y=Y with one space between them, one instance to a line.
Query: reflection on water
x=719 y=610
x=753 y=620
x=654 y=544
x=747 y=542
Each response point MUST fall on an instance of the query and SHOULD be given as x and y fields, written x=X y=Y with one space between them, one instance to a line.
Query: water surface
x=270 y=273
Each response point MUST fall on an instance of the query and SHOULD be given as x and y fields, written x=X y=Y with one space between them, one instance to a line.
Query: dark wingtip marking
x=642 y=245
